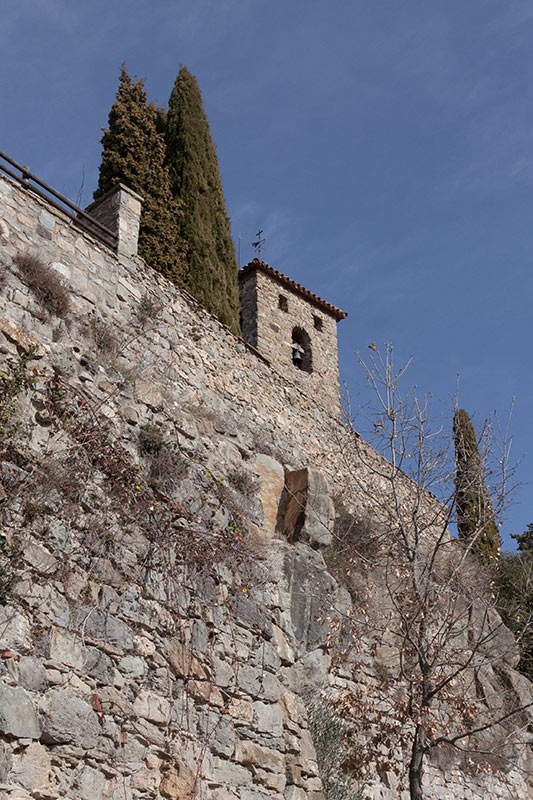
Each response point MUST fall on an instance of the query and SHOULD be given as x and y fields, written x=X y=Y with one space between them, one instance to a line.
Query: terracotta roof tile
x=256 y=264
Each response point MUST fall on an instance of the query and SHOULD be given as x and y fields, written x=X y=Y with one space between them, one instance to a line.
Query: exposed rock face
x=146 y=651
x=309 y=512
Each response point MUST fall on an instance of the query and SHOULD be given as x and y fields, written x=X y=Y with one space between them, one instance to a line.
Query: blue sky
x=385 y=148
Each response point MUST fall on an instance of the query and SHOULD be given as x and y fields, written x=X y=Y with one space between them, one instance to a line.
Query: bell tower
x=294 y=329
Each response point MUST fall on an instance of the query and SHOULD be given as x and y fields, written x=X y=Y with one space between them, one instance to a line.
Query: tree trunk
x=416 y=765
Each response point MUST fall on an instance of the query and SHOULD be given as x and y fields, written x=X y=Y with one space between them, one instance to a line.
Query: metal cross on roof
x=259 y=244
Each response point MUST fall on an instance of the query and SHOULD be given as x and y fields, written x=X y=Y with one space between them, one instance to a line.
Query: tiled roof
x=256 y=264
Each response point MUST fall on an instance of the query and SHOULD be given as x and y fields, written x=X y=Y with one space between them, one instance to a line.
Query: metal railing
x=80 y=217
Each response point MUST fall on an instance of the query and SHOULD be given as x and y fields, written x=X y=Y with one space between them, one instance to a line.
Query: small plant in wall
x=148 y=310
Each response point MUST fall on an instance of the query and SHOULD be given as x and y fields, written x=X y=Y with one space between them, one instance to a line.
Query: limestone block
x=47 y=220
x=271 y=477
x=89 y=784
x=269 y=656
x=316 y=666
x=134 y=750
x=146 y=780
x=143 y=646
x=205 y=692
x=100 y=625
x=32 y=769
x=67 y=719
x=523 y=689
x=6 y=761
x=45 y=598
x=307 y=749
x=63 y=269
x=270 y=780
x=227 y=772
x=21 y=339
x=251 y=614
x=311 y=591
x=17 y=714
x=14 y=630
x=249 y=679
x=31 y=674
x=263 y=757
x=183 y=662
x=121 y=790
x=98 y=664
x=39 y=558
x=147 y=392
x=152 y=707
x=260 y=794
x=285 y=651
x=295 y=793
x=178 y=781
x=219 y=730
x=270 y=687
x=242 y=711
x=268 y=718
x=132 y=667
x=224 y=794
x=66 y=648
x=222 y=672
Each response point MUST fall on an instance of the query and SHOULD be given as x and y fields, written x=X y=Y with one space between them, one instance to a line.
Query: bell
x=297 y=354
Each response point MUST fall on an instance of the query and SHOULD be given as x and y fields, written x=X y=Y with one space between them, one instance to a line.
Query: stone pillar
x=119 y=209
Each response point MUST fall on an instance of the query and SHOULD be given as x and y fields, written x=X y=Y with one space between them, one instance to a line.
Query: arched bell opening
x=302 y=357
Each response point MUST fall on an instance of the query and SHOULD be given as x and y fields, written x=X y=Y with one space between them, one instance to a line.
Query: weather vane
x=259 y=244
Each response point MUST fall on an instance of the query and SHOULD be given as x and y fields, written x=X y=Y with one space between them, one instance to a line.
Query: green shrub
x=328 y=733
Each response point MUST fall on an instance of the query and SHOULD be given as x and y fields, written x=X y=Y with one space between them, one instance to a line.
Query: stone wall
x=146 y=652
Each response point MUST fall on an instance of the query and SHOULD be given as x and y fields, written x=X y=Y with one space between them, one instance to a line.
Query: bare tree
x=440 y=651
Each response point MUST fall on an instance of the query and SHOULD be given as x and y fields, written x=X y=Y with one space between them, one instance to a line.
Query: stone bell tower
x=294 y=329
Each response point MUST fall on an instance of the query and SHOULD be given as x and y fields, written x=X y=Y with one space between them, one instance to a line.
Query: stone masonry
x=125 y=674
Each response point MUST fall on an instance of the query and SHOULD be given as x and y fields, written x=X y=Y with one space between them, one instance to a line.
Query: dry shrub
x=355 y=543
x=103 y=336
x=166 y=466
x=45 y=283
x=243 y=481
x=354 y=536
x=151 y=440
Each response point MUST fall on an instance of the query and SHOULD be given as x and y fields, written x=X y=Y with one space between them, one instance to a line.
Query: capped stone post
x=119 y=209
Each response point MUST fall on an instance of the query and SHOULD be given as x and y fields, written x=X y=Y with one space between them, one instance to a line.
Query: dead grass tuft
x=45 y=283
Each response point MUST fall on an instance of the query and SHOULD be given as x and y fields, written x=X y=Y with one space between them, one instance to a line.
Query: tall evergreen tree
x=204 y=226
x=474 y=509
x=515 y=596
x=134 y=154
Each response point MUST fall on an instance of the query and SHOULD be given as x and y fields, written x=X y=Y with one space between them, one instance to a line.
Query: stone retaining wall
x=123 y=673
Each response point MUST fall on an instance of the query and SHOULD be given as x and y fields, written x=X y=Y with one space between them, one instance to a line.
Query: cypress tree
x=474 y=509
x=211 y=274
x=134 y=154
x=515 y=596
